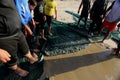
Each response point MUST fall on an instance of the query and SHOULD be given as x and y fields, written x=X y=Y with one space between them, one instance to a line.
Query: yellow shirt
x=50 y=6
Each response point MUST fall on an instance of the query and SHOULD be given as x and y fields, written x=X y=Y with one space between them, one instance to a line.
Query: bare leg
x=117 y=51
x=85 y=23
x=99 y=31
x=49 y=30
x=78 y=22
x=37 y=40
x=107 y=34
x=19 y=71
x=43 y=35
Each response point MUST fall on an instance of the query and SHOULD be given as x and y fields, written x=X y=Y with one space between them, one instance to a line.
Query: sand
x=95 y=62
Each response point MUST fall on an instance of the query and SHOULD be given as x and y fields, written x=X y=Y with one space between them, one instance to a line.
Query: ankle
x=34 y=58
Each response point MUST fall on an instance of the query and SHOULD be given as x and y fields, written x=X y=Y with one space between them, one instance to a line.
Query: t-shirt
x=39 y=10
x=50 y=6
x=114 y=14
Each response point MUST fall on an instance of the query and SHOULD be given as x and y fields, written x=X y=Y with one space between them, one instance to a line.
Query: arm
x=20 y=7
x=80 y=6
x=110 y=7
x=105 y=9
x=4 y=56
x=28 y=30
x=25 y=15
x=55 y=13
x=33 y=22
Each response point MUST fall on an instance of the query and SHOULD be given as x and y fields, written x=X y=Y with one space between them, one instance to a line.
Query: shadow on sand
x=63 y=65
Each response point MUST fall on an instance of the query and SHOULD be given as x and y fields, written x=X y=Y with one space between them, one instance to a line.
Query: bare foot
x=100 y=41
x=21 y=72
x=44 y=38
x=50 y=33
x=36 y=50
x=34 y=58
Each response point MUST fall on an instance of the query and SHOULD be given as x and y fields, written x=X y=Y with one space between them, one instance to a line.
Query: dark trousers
x=98 y=22
x=12 y=44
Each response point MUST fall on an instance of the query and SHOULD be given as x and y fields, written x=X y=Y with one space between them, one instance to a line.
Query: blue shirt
x=24 y=11
x=114 y=14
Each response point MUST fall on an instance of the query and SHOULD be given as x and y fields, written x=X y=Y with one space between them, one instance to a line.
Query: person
x=24 y=9
x=50 y=7
x=96 y=15
x=39 y=18
x=32 y=24
x=85 y=11
x=12 y=38
x=28 y=25
x=111 y=19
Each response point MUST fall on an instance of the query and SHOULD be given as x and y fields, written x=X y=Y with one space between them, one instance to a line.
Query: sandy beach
x=92 y=63
x=73 y=54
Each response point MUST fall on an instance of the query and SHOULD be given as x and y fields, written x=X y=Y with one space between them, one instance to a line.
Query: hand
x=28 y=31
x=4 y=56
x=55 y=18
x=36 y=22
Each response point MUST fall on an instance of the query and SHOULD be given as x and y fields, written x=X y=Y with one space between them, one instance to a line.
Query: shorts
x=49 y=19
x=12 y=44
x=40 y=18
x=41 y=24
x=110 y=26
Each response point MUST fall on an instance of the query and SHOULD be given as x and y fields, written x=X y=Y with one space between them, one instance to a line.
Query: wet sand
x=95 y=62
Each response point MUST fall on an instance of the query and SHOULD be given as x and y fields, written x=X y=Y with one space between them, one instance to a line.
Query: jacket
x=9 y=18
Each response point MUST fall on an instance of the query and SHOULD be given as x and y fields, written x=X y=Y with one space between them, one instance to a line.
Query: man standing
x=111 y=20
x=85 y=11
x=39 y=17
x=12 y=38
x=50 y=7
x=96 y=15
